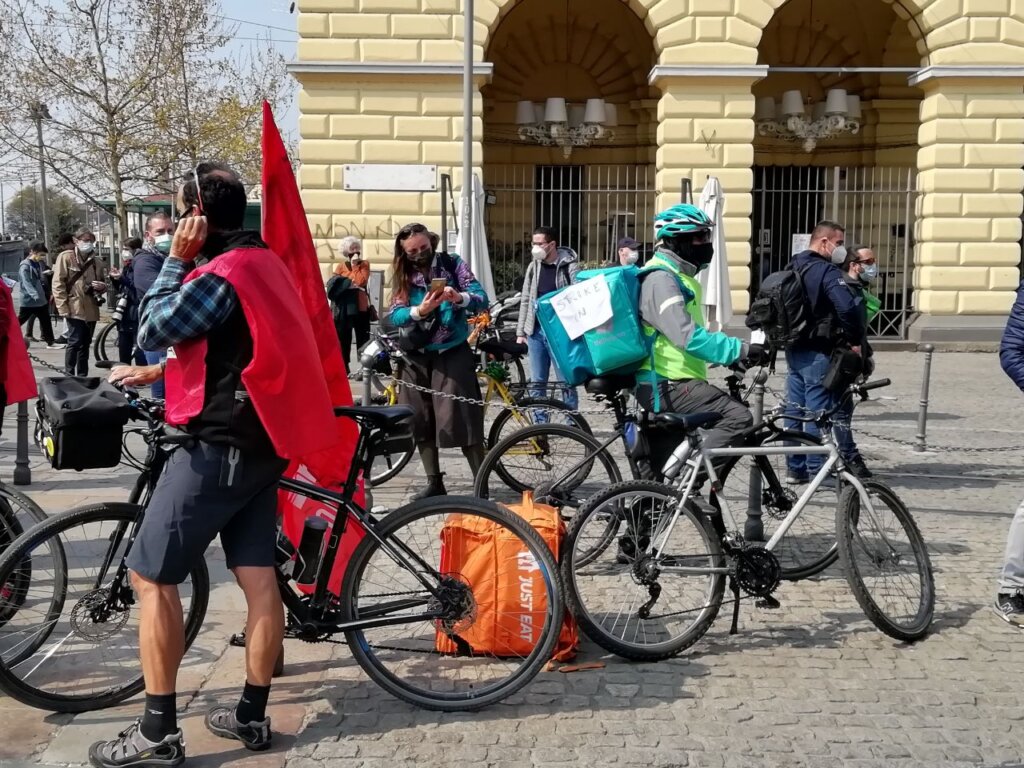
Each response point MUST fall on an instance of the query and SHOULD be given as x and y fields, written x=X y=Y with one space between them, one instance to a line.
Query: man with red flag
x=238 y=376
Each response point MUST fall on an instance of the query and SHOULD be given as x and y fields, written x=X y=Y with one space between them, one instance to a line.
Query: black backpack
x=781 y=308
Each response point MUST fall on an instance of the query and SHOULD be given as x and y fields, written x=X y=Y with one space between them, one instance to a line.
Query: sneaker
x=222 y=722
x=55 y=345
x=62 y=340
x=857 y=468
x=1010 y=607
x=131 y=748
x=796 y=478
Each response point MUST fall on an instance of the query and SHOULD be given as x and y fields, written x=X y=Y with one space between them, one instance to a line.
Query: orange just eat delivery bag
x=511 y=600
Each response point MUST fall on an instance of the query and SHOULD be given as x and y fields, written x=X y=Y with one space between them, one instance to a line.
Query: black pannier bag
x=80 y=422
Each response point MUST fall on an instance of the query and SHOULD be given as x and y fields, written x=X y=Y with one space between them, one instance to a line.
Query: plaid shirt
x=172 y=312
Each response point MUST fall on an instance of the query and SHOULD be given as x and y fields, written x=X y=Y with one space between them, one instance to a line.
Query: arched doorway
x=865 y=180
x=593 y=195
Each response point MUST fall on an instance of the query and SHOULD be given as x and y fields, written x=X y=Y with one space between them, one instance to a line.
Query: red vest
x=285 y=379
x=16 y=372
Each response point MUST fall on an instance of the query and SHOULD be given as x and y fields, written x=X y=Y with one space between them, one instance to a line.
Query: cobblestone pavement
x=811 y=684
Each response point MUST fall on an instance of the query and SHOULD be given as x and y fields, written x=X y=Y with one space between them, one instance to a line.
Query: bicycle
x=17 y=512
x=394 y=580
x=675 y=533
x=384 y=358
x=564 y=468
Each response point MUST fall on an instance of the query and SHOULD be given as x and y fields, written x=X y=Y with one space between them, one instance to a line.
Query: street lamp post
x=39 y=112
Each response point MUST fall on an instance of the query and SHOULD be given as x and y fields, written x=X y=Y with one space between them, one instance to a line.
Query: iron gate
x=876 y=205
x=591 y=207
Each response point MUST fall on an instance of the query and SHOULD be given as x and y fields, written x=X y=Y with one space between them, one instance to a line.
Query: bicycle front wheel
x=886 y=561
x=528 y=411
x=658 y=590
x=809 y=546
x=447 y=644
x=87 y=654
x=562 y=465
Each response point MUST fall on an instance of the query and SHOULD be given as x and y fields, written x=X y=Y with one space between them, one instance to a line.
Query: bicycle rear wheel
x=87 y=655
x=535 y=458
x=809 y=546
x=18 y=512
x=528 y=411
x=886 y=561
x=627 y=600
x=420 y=569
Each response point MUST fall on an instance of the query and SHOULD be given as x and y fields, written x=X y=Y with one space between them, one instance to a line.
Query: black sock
x=160 y=718
x=252 y=707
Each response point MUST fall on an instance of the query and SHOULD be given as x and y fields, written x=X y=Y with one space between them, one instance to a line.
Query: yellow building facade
x=932 y=181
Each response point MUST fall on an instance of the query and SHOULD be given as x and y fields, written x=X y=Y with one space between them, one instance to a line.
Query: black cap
x=628 y=242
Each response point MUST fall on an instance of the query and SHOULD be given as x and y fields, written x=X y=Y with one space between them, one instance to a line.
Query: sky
x=263 y=18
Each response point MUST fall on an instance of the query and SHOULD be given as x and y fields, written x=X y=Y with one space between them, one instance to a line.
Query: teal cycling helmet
x=681 y=219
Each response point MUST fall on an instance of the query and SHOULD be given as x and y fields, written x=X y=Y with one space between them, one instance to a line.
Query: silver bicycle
x=660 y=600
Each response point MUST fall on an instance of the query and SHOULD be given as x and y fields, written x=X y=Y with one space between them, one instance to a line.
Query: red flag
x=286 y=231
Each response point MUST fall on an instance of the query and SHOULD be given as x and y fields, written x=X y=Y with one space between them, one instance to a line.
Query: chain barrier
x=912 y=444
x=45 y=364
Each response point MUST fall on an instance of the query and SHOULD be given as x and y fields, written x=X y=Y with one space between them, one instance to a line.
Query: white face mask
x=632 y=257
x=538 y=252
x=86 y=247
x=839 y=255
x=163 y=243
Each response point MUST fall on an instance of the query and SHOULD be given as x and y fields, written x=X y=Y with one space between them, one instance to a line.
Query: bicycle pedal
x=237 y=640
x=768 y=603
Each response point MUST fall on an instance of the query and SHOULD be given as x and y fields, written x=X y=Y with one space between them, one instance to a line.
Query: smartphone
x=438 y=284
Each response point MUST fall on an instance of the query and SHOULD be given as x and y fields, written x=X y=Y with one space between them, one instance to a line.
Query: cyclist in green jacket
x=675 y=378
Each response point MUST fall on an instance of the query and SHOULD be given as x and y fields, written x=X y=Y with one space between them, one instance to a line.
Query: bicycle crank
x=758 y=572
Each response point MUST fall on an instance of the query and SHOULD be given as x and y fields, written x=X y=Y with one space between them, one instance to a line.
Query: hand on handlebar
x=135 y=375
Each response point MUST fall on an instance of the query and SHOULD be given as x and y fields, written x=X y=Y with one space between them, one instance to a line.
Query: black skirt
x=441 y=420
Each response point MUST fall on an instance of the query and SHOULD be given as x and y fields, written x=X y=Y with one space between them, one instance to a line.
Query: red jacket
x=285 y=379
x=16 y=372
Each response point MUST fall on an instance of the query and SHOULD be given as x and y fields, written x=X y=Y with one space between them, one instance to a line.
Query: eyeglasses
x=413 y=229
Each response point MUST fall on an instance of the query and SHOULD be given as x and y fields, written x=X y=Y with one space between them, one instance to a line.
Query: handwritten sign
x=584 y=306
x=801 y=243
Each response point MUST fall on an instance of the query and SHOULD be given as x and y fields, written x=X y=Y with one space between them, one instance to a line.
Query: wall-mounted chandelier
x=787 y=119
x=556 y=123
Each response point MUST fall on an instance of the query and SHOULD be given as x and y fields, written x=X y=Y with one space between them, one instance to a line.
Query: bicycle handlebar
x=874 y=385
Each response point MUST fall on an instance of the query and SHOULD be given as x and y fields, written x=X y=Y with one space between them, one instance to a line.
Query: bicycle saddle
x=502 y=349
x=379 y=416
x=609 y=386
x=688 y=422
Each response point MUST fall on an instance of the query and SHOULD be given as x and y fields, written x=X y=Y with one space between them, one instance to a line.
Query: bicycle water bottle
x=311 y=547
x=677 y=460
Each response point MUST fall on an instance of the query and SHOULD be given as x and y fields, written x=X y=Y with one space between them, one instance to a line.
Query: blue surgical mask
x=869 y=273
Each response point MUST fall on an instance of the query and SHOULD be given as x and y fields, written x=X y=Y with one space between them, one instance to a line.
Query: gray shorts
x=191 y=505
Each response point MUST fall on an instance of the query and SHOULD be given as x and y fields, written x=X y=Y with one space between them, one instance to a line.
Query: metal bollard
x=754 y=481
x=922 y=411
x=22 y=472
x=367 y=386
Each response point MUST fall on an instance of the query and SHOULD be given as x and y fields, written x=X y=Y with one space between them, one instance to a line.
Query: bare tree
x=136 y=92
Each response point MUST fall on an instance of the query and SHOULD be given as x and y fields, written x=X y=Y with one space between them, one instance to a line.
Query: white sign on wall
x=391 y=177
x=584 y=306
x=800 y=243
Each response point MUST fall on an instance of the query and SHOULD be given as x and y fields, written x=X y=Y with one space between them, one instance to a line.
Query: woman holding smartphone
x=437 y=292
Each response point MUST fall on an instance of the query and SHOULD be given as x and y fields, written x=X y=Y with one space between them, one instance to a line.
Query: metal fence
x=875 y=204
x=591 y=207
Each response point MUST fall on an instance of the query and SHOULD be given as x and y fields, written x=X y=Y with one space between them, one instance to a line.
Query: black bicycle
x=402 y=606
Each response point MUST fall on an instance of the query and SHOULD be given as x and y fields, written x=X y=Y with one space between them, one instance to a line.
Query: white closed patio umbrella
x=479 y=256
x=717 y=299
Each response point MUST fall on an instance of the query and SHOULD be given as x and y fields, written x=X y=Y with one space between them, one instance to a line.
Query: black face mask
x=421 y=259
x=702 y=254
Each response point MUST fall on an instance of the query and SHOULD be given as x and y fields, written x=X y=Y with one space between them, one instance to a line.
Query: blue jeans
x=157 y=390
x=844 y=431
x=807 y=369
x=540 y=366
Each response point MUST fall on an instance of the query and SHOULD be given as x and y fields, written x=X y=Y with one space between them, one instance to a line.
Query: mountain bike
x=564 y=468
x=396 y=605
x=664 y=594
